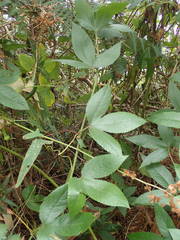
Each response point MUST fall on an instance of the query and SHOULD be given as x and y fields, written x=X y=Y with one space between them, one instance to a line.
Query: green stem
x=92 y=234
x=34 y=166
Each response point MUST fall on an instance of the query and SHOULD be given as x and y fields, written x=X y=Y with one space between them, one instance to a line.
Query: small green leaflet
x=29 y=158
x=102 y=165
x=155 y=157
x=104 y=192
x=118 y=122
x=82 y=45
x=175 y=233
x=31 y=135
x=120 y=27
x=73 y=63
x=106 y=141
x=144 y=236
x=76 y=202
x=10 y=98
x=26 y=61
x=163 y=220
x=108 y=57
x=98 y=104
x=166 y=118
x=53 y=205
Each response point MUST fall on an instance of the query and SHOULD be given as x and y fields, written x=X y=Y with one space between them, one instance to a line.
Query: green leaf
x=98 y=103
x=29 y=158
x=76 y=202
x=145 y=198
x=82 y=45
x=48 y=231
x=177 y=169
x=3 y=231
x=102 y=165
x=166 y=134
x=14 y=237
x=168 y=119
x=175 y=233
x=9 y=76
x=147 y=141
x=174 y=95
x=10 y=98
x=26 y=61
x=108 y=57
x=53 y=205
x=119 y=122
x=160 y=174
x=104 y=192
x=120 y=27
x=144 y=236
x=105 y=13
x=31 y=135
x=155 y=157
x=106 y=141
x=73 y=63
x=176 y=77
x=84 y=14
x=163 y=220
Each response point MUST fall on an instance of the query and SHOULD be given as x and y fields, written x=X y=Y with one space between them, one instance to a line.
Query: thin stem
x=146 y=183
x=92 y=234
x=34 y=166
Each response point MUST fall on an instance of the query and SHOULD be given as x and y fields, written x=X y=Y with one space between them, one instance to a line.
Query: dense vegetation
x=89 y=120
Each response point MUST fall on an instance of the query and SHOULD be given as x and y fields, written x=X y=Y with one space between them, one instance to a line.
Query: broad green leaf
x=108 y=57
x=120 y=27
x=29 y=158
x=84 y=14
x=146 y=199
x=53 y=205
x=49 y=65
x=8 y=76
x=147 y=141
x=160 y=174
x=175 y=233
x=106 y=141
x=98 y=103
x=73 y=63
x=105 y=13
x=155 y=157
x=176 y=77
x=166 y=134
x=3 y=231
x=177 y=169
x=163 y=220
x=31 y=135
x=82 y=45
x=14 y=237
x=168 y=119
x=174 y=95
x=76 y=202
x=104 y=192
x=144 y=236
x=47 y=95
x=26 y=61
x=102 y=165
x=119 y=122
x=48 y=231
x=10 y=98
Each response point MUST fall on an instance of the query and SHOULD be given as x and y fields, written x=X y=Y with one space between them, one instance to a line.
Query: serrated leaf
x=73 y=63
x=106 y=141
x=104 y=192
x=108 y=57
x=53 y=205
x=163 y=220
x=82 y=45
x=175 y=233
x=29 y=158
x=26 y=61
x=10 y=98
x=119 y=122
x=84 y=14
x=155 y=157
x=98 y=103
x=147 y=141
x=168 y=119
x=102 y=165
x=144 y=236
x=160 y=174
